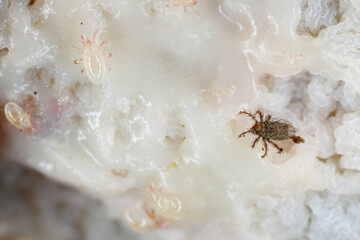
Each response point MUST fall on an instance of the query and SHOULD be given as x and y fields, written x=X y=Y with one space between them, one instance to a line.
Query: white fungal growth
x=93 y=59
x=18 y=117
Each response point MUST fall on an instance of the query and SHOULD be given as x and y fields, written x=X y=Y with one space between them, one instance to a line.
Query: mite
x=92 y=59
x=269 y=130
x=183 y=3
x=20 y=118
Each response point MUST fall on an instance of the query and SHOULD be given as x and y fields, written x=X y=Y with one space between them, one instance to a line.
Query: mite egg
x=18 y=117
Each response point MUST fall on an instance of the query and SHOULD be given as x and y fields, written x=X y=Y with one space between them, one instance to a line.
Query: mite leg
x=94 y=37
x=107 y=54
x=297 y=139
x=192 y=8
x=102 y=43
x=260 y=115
x=76 y=47
x=77 y=61
x=266 y=148
x=268 y=117
x=243 y=134
x=275 y=145
x=150 y=214
x=249 y=114
x=83 y=40
x=256 y=140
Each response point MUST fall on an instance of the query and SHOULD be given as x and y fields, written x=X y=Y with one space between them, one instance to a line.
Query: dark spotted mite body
x=270 y=129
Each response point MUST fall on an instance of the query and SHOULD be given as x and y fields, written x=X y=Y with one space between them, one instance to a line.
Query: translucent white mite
x=183 y=3
x=19 y=118
x=92 y=59
x=167 y=205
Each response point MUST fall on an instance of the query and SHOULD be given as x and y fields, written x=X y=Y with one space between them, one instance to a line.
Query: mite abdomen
x=17 y=116
x=94 y=64
x=278 y=131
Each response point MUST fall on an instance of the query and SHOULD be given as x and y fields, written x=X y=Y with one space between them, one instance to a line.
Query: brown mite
x=270 y=129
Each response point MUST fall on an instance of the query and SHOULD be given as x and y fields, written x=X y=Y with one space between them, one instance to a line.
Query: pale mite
x=93 y=59
x=18 y=117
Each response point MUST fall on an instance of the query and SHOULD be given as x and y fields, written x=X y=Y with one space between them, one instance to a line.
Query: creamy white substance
x=155 y=116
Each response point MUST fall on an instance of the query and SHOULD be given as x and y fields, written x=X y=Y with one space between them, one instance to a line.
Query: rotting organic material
x=93 y=59
x=20 y=118
x=270 y=129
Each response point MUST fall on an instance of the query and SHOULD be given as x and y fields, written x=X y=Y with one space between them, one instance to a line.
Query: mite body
x=20 y=118
x=92 y=59
x=270 y=129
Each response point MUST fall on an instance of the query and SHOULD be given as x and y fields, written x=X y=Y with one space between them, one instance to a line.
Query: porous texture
x=317 y=16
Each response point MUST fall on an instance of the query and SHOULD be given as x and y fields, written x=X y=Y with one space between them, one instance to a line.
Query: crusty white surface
x=165 y=110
